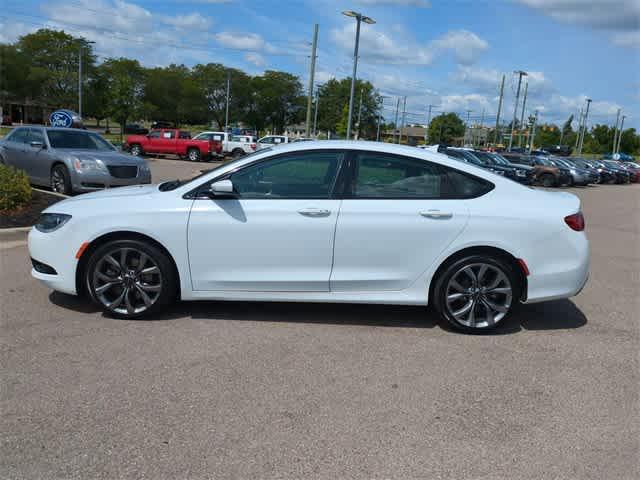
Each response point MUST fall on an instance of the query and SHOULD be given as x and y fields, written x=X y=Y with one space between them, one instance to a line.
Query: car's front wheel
x=476 y=293
x=136 y=150
x=130 y=278
x=194 y=155
x=60 y=180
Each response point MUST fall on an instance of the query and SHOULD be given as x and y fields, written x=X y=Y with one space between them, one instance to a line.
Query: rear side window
x=385 y=176
x=20 y=135
x=184 y=135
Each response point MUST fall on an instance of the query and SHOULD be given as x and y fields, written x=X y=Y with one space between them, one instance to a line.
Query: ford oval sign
x=61 y=118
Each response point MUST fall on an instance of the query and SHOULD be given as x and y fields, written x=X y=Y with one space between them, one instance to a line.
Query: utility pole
x=515 y=108
x=495 y=134
x=524 y=103
x=226 y=109
x=426 y=135
x=311 y=77
x=615 y=132
x=359 y=113
x=404 y=113
x=579 y=130
x=467 y=129
x=315 y=115
x=584 y=127
x=620 y=134
x=533 y=134
x=82 y=45
x=395 y=123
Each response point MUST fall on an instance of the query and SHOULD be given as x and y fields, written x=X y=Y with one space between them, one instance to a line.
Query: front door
x=397 y=216
x=276 y=234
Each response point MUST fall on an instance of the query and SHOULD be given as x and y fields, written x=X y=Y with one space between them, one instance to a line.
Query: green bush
x=15 y=190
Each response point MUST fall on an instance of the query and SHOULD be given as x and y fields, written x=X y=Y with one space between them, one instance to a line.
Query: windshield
x=471 y=157
x=499 y=159
x=173 y=184
x=78 y=140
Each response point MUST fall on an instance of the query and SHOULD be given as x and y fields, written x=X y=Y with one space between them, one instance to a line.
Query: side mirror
x=222 y=187
x=38 y=145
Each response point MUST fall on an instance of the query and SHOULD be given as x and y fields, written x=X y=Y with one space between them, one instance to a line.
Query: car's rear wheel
x=237 y=153
x=60 y=180
x=130 y=278
x=476 y=293
x=194 y=155
x=136 y=150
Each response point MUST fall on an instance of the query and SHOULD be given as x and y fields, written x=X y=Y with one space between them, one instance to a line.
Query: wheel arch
x=119 y=235
x=500 y=253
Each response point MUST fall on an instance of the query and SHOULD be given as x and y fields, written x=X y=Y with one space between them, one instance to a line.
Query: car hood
x=108 y=158
x=132 y=191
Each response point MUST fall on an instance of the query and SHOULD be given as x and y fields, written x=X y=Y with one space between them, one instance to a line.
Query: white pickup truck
x=272 y=141
x=235 y=145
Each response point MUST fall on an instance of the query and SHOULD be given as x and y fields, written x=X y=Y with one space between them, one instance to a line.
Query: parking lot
x=255 y=390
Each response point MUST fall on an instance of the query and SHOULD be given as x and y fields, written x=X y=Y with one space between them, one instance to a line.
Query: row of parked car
x=543 y=168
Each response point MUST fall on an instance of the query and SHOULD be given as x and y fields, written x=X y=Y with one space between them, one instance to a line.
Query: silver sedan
x=70 y=160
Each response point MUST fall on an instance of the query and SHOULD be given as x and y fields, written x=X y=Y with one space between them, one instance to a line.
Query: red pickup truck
x=172 y=141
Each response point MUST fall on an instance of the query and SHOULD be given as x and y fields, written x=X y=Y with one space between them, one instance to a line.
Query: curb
x=61 y=195
x=14 y=230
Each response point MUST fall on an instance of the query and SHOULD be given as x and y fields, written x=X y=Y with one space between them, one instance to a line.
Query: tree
x=334 y=96
x=276 y=100
x=567 y=131
x=53 y=58
x=96 y=103
x=211 y=79
x=630 y=141
x=125 y=89
x=445 y=128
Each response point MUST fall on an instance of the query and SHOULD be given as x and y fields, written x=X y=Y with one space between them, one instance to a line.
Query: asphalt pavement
x=255 y=390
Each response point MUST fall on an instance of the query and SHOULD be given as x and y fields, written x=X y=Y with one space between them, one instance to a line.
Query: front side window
x=36 y=135
x=294 y=176
x=155 y=134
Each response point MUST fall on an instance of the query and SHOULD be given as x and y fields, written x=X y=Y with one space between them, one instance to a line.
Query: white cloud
x=323 y=76
x=403 y=3
x=466 y=45
x=193 y=21
x=627 y=39
x=381 y=47
x=621 y=16
x=606 y=14
x=11 y=31
x=255 y=58
x=244 y=41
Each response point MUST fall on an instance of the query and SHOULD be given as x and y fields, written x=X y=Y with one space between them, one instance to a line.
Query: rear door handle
x=436 y=214
x=314 y=212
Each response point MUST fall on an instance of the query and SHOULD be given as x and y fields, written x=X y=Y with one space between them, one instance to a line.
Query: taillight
x=253 y=146
x=575 y=221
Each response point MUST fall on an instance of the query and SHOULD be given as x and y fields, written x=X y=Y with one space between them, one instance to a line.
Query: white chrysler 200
x=320 y=222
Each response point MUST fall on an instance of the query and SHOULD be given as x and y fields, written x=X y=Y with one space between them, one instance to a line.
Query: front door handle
x=314 y=212
x=436 y=214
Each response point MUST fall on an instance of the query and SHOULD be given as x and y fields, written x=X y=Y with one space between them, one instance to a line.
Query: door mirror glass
x=222 y=187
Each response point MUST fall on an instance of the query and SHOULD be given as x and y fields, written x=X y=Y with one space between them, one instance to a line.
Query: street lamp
x=359 y=19
x=86 y=42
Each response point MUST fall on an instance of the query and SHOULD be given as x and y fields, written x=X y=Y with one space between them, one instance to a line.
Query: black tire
x=60 y=180
x=455 y=268
x=548 y=180
x=161 y=293
x=237 y=153
x=194 y=155
x=136 y=150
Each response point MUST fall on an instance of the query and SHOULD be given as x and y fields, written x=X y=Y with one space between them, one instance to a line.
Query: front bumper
x=98 y=180
x=57 y=252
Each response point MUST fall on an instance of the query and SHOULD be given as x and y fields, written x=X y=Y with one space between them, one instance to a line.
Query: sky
x=450 y=54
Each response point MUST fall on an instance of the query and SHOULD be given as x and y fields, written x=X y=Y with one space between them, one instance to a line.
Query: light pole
x=82 y=45
x=359 y=19
x=515 y=108
x=584 y=126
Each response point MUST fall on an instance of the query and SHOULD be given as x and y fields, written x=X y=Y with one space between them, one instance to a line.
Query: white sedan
x=320 y=222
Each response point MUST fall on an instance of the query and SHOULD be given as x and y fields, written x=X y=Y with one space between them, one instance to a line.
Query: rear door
x=397 y=216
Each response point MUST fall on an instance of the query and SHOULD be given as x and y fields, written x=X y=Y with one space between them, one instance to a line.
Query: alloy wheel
x=193 y=155
x=479 y=295
x=127 y=281
x=58 y=181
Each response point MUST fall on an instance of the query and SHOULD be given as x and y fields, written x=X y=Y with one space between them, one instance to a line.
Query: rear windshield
x=78 y=140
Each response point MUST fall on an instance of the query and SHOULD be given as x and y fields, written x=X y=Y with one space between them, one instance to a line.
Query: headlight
x=88 y=165
x=144 y=167
x=49 y=222
x=521 y=173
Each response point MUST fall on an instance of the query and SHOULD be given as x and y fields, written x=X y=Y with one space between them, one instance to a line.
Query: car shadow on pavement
x=555 y=315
